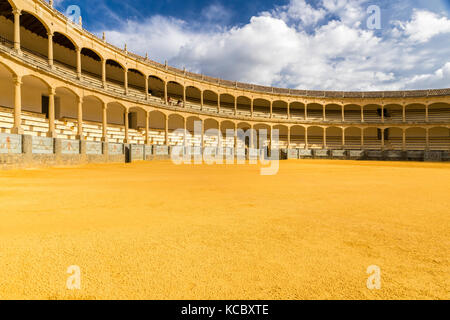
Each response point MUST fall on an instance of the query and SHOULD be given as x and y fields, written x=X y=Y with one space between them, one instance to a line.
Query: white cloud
x=321 y=47
x=424 y=25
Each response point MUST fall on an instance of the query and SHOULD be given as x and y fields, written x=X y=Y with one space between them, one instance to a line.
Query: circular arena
x=74 y=109
x=60 y=81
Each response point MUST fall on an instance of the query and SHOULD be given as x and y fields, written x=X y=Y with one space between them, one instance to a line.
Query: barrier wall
x=24 y=151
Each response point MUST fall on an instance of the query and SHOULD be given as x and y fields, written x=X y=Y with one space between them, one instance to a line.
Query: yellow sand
x=159 y=231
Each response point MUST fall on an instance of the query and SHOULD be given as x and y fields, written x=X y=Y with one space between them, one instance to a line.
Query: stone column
x=235 y=106
x=236 y=137
x=343 y=138
x=362 y=138
x=201 y=100
x=362 y=114
x=202 y=144
x=184 y=97
x=306 y=111
x=404 y=113
x=382 y=113
x=288 y=138
x=185 y=133
x=17 y=128
x=147 y=128
x=146 y=87
x=427 y=139
x=79 y=63
x=51 y=113
x=50 y=49
x=125 y=81
x=165 y=92
x=324 y=113
x=289 y=110
x=404 y=140
x=251 y=107
x=252 y=138
x=427 y=108
x=324 y=138
x=80 y=118
x=306 y=137
x=271 y=109
x=219 y=136
x=382 y=139
x=127 y=125
x=104 y=73
x=105 y=123
x=218 y=103
x=166 y=128
x=17 y=14
x=343 y=113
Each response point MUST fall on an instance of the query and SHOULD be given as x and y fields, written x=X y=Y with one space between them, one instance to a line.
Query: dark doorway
x=45 y=102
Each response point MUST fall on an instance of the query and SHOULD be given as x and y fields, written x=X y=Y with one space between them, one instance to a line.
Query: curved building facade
x=58 y=81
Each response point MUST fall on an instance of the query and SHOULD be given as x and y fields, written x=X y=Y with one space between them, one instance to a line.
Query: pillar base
x=104 y=139
x=79 y=137
x=51 y=134
x=16 y=130
x=126 y=140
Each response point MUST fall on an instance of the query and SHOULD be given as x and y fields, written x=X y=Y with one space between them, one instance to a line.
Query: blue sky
x=305 y=44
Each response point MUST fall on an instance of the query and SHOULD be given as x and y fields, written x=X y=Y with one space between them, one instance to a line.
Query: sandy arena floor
x=159 y=231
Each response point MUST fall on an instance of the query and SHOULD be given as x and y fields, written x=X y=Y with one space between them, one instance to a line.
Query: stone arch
x=393 y=113
x=315 y=137
x=115 y=75
x=227 y=129
x=353 y=138
x=372 y=113
x=280 y=109
x=415 y=112
x=334 y=137
x=210 y=100
x=283 y=138
x=194 y=130
x=297 y=110
x=35 y=91
x=211 y=132
x=7 y=76
x=352 y=113
x=333 y=112
x=175 y=92
x=244 y=106
x=156 y=86
x=66 y=103
x=315 y=111
x=227 y=103
x=439 y=112
x=193 y=97
x=92 y=117
x=136 y=79
x=393 y=138
x=298 y=138
x=262 y=133
x=372 y=140
x=137 y=118
x=415 y=138
x=439 y=138
x=261 y=108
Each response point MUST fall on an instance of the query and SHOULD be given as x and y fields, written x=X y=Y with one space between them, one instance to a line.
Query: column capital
x=17 y=12
x=52 y=91
x=80 y=99
x=17 y=80
x=50 y=34
x=104 y=105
